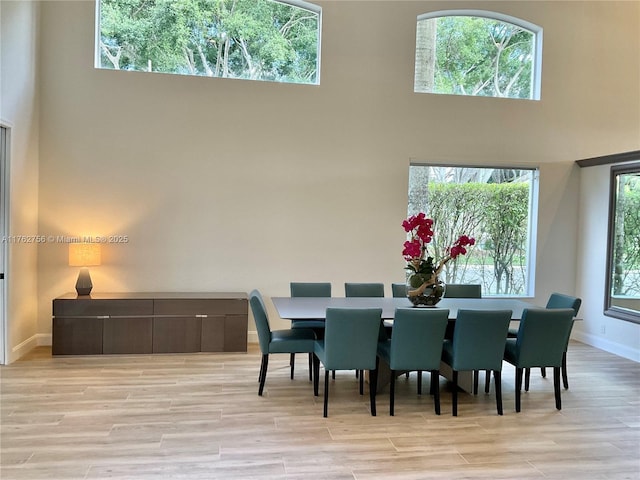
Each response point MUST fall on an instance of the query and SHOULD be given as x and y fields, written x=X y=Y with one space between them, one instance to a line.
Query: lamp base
x=83 y=284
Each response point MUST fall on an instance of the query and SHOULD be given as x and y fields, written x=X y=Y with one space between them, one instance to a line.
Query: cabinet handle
x=201 y=316
x=102 y=317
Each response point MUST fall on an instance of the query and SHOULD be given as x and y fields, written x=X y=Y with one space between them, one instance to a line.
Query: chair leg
x=543 y=372
x=419 y=381
x=527 y=378
x=518 y=387
x=565 y=378
x=326 y=394
x=556 y=387
x=333 y=374
x=292 y=363
x=497 y=376
x=487 y=381
x=392 y=392
x=476 y=374
x=263 y=372
x=316 y=374
x=454 y=394
x=373 y=386
x=433 y=382
x=310 y=366
x=435 y=388
x=407 y=374
x=361 y=381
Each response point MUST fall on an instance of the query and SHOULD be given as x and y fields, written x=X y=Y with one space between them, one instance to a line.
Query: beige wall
x=19 y=111
x=234 y=185
x=597 y=329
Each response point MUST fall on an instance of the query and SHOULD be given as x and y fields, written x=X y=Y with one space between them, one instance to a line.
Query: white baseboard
x=607 y=346
x=29 y=344
x=252 y=336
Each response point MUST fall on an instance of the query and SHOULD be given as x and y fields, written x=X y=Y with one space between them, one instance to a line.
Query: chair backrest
x=307 y=289
x=560 y=300
x=543 y=335
x=462 y=290
x=416 y=341
x=364 y=289
x=262 y=320
x=479 y=337
x=399 y=289
x=351 y=338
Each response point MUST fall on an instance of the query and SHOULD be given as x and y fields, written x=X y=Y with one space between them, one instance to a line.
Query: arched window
x=249 y=39
x=478 y=53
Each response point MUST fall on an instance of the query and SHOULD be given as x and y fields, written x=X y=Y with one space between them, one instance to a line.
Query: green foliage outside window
x=248 y=39
x=465 y=55
x=626 y=275
x=491 y=205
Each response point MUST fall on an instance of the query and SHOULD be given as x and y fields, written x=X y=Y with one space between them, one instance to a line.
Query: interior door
x=4 y=155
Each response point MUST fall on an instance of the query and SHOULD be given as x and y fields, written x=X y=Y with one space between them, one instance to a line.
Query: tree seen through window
x=464 y=54
x=247 y=39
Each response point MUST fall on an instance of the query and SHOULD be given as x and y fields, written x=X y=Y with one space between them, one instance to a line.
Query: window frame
x=611 y=310
x=532 y=223
x=293 y=3
x=531 y=27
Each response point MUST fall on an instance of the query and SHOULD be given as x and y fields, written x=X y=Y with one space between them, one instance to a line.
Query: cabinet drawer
x=94 y=307
x=199 y=306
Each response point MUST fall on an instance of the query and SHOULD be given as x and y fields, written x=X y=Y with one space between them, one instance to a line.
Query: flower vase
x=424 y=291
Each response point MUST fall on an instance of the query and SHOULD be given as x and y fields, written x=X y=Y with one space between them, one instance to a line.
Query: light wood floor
x=199 y=417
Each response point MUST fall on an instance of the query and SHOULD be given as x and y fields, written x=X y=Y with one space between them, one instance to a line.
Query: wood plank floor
x=199 y=417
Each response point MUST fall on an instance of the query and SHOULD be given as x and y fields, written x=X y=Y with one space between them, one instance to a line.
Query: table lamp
x=84 y=255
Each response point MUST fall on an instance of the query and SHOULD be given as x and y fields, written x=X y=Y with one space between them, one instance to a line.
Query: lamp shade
x=84 y=254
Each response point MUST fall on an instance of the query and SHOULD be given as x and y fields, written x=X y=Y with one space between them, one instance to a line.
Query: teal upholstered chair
x=462 y=290
x=350 y=343
x=478 y=343
x=399 y=290
x=542 y=339
x=556 y=300
x=415 y=344
x=466 y=290
x=301 y=340
x=309 y=289
x=364 y=290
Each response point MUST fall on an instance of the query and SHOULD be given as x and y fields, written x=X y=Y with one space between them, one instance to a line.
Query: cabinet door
x=176 y=334
x=213 y=333
x=224 y=333
x=77 y=336
x=235 y=333
x=127 y=335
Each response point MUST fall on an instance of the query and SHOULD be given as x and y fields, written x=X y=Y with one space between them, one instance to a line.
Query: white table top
x=308 y=308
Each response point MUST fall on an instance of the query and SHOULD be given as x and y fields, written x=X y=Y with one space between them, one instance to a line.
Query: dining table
x=314 y=308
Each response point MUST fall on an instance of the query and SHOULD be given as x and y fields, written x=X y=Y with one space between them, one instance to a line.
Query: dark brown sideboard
x=121 y=323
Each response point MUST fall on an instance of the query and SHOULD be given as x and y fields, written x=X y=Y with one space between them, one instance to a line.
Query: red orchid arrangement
x=425 y=273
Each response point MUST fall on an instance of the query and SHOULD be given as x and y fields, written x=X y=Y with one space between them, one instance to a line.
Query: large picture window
x=477 y=53
x=497 y=206
x=622 y=299
x=246 y=39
